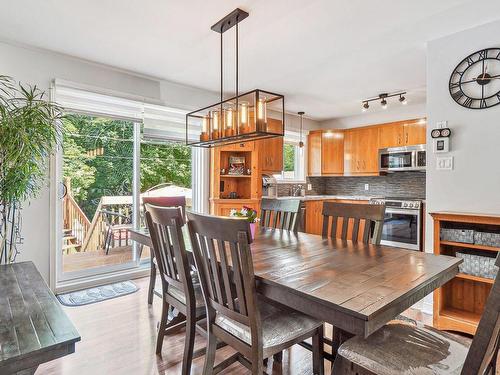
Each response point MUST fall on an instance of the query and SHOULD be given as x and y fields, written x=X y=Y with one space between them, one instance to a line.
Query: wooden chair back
x=350 y=221
x=165 y=228
x=178 y=201
x=221 y=248
x=279 y=213
x=482 y=355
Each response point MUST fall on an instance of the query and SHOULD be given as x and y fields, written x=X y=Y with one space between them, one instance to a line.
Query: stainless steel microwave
x=400 y=159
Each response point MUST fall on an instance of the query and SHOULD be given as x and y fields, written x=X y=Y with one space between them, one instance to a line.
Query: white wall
x=395 y=112
x=474 y=183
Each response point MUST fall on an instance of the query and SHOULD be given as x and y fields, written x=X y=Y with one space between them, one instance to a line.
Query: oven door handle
x=403 y=212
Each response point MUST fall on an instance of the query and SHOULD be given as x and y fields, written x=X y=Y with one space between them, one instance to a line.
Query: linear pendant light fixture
x=383 y=99
x=253 y=115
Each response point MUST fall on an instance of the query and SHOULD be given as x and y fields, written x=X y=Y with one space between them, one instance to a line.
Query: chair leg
x=152 y=282
x=161 y=329
x=189 y=344
x=258 y=365
x=318 y=347
x=208 y=367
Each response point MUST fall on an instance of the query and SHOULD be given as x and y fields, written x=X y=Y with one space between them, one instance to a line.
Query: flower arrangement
x=247 y=212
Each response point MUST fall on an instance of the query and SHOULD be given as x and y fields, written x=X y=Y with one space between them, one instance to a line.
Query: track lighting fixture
x=383 y=99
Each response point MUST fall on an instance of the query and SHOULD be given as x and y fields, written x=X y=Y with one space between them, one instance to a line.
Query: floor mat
x=97 y=294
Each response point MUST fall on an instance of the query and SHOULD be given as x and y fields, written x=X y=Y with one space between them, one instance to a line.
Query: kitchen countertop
x=324 y=197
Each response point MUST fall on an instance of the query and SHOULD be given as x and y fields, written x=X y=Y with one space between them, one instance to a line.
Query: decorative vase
x=252 y=230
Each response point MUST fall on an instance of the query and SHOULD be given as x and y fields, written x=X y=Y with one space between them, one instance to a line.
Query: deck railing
x=75 y=221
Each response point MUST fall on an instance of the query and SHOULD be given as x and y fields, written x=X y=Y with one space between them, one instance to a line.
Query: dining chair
x=117 y=226
x=279 y=213
x=350 y=221
x=398 y=348
x=252 y=325
x=180 y=288
x=176 y=201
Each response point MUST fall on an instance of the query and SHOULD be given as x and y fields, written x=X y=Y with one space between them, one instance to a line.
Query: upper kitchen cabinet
x=314 y=140
x=415 y=132
x=361 y=151
x=332 y=152
x=271 y=149
x=402 y=133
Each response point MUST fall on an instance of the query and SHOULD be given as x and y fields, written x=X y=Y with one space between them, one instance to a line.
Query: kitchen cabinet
x=271 y=149
x=402 y=133
x=361 y=151
x=415 y=132
x=313 y=216
x=314 y=152
x=332 y=153
x=222 y=207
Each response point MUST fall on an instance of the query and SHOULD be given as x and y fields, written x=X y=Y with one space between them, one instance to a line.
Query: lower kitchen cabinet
x=222 y=207
x=313 y=216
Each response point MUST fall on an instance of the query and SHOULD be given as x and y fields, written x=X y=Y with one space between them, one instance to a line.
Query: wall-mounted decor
x=475 y=82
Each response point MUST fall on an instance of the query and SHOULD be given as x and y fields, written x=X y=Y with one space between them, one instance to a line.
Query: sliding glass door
x=100 y=196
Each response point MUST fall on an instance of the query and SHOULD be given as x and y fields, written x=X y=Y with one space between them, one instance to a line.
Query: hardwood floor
x=118 y=337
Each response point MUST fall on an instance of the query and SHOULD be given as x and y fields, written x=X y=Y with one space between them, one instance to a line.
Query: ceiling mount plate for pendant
x=236 y=16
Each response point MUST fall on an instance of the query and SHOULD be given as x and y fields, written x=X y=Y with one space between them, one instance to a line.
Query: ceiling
x=324 y=55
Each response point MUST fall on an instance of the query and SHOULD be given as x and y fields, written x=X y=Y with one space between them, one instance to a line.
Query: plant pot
x=252 y=230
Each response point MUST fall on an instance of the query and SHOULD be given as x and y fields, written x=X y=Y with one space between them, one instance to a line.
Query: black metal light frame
x=260 y=131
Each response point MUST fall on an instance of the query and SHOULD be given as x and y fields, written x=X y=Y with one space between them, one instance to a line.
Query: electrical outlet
x=444 y=163
x=309 y=187
x=367 y=187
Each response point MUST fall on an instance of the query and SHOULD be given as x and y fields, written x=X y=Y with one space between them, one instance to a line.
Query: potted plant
x=249 y=214
x=29 y=133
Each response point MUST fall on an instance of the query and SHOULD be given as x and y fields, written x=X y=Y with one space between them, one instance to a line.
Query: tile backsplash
x=403 y=184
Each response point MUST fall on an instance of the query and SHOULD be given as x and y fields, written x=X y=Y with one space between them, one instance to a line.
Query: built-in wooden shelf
x=475 y=278
x=235 y=176
x=459 y=304
x=470 y=246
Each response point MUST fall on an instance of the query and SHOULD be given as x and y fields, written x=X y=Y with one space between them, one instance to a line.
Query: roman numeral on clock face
x=458 y=95
x=468 y=102
x=483 y=103
x=470 y=60
x=483 y=54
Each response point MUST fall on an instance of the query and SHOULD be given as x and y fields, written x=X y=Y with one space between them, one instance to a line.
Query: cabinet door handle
x=364 y=164
x=406 y=138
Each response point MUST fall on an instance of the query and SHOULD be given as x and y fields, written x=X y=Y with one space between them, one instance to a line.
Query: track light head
x=403 y=100
x=383 y=103
x=365 y=106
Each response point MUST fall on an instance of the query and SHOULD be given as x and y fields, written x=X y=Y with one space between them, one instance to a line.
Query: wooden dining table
x=355 y=287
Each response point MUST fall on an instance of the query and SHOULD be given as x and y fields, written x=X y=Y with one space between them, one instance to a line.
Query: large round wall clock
x=475 y=82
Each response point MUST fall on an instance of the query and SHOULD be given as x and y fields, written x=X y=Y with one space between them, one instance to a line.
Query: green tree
x=98 y=158
x=288 y=157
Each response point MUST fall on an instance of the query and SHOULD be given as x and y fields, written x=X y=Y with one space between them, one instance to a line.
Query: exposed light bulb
x=215 y=120
x=204 y=124
x=262 y=109
x=383 y=103
x=229 y=118
x=243 y=112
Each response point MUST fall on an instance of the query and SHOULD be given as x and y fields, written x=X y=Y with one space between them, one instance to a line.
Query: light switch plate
x=367 y=187
x=444 y=163
x=309 y=187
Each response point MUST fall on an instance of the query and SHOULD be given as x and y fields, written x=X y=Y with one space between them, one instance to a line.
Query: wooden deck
x=78 y=261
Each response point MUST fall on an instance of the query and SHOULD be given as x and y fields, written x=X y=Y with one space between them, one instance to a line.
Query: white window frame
x=293 y=138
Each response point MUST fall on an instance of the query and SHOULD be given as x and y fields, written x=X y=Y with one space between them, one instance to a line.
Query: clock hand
x=475 y=79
